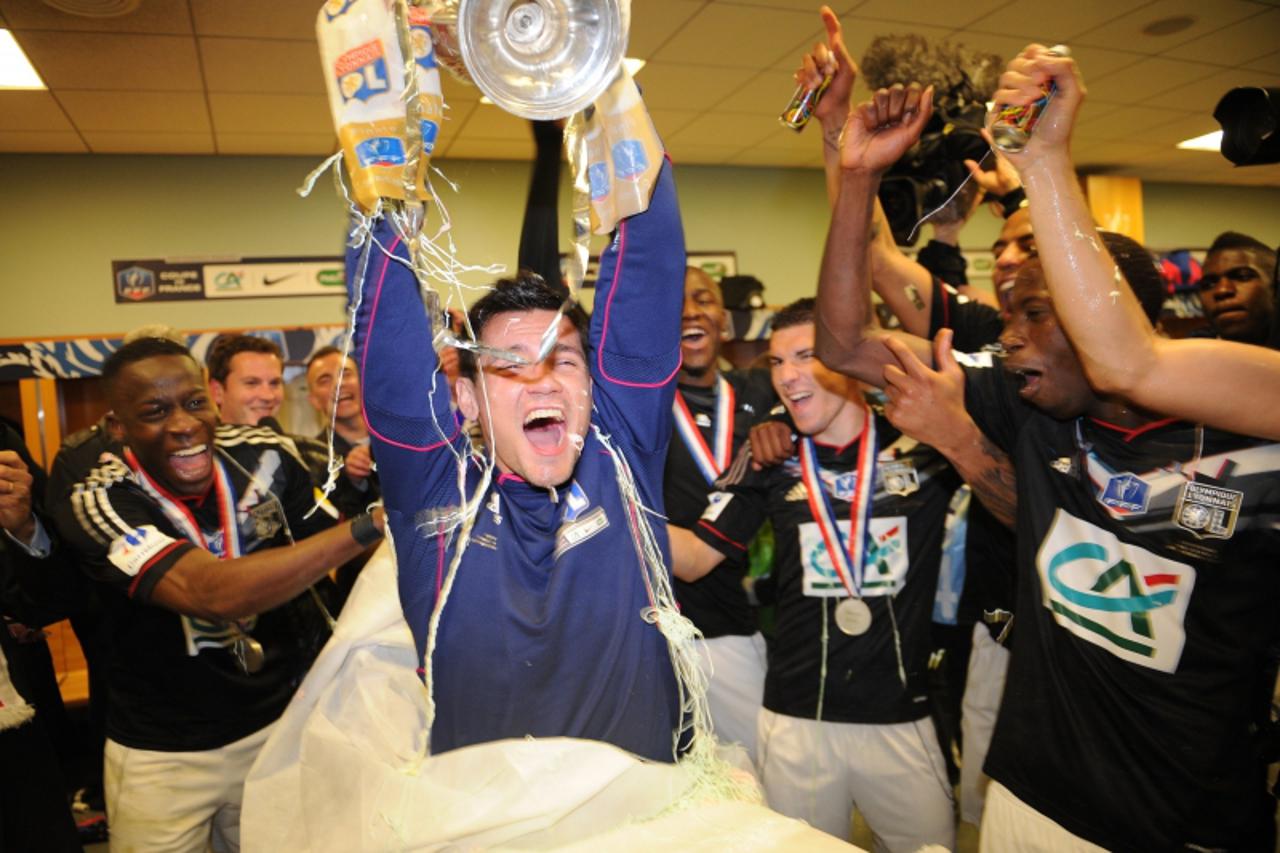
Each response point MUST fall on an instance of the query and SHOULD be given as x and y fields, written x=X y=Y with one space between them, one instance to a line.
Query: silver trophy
x=538 y=59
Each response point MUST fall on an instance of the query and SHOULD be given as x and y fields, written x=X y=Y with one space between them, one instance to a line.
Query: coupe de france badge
x=1209 y=512
x=899 y=478
x=1126 y=492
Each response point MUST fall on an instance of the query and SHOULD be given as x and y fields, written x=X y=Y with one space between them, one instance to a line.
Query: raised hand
x=881 y=130
x=829 y=60
x=926 y=404
x=1023 y=81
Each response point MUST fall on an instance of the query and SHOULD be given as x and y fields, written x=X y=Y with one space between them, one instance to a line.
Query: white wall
x=64 y=218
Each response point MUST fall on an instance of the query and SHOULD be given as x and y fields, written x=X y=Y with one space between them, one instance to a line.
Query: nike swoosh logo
x=270 y=281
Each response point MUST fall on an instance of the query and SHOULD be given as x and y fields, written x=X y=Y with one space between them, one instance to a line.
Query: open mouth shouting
x=1027 y=380
x=545 y=429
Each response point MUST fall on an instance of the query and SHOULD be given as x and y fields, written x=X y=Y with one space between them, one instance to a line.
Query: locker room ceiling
x=243 y=77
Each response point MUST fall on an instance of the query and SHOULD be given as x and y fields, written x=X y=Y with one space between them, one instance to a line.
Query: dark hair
x=1139 y=269
x=137 y=350
x=527 y=292
x=323 y=352
x=1228 y=240
x=226 y=347
x=796 y=314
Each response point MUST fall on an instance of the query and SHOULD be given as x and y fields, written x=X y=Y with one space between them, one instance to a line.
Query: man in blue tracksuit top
x=542 y=632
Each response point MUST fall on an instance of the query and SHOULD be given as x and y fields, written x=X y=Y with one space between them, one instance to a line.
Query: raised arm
x=635 y=322
x=904 y=285
x=406 y=399
x=877 y=134
x=1120 y=351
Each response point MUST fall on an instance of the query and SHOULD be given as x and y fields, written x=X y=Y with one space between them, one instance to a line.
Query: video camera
x=933 y=169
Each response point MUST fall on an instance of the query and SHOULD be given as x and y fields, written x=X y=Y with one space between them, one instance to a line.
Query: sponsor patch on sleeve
x=716 y=502
x=131 y=552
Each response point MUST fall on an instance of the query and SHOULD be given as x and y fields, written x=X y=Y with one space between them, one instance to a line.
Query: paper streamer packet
x=386 y=154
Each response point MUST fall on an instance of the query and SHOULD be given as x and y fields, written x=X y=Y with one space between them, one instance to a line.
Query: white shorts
x=988 y=665
x=893 y=774
x=175 y=802
x=1011 y=826
x=736 y=690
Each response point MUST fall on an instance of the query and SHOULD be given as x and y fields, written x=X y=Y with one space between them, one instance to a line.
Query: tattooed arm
x=929 y=406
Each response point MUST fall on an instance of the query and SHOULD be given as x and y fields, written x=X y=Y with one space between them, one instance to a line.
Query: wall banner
x=171 y=279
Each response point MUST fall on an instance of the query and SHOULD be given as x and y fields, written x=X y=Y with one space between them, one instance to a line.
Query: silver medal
x=249 y=654
x=853 y=617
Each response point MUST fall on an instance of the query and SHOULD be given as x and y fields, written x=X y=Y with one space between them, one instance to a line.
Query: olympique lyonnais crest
x=136 y=283
x=1209 y=512
x=899 y=478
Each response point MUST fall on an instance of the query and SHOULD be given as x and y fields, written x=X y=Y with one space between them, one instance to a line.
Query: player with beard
x=538 y=604
x=199 y=539
x=858 y=527
x=1146 y=589
x=714 y=411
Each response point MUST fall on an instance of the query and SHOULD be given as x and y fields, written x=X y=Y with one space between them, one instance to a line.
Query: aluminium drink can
x=1012 y=127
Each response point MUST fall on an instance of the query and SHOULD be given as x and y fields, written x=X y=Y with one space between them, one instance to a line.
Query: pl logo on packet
x=362 y=72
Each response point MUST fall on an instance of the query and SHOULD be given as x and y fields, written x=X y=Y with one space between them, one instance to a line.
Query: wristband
x=1013 y=201
x=364 y=531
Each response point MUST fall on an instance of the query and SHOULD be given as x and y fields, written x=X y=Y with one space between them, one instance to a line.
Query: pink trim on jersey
x=364 y=356
x=604 y=332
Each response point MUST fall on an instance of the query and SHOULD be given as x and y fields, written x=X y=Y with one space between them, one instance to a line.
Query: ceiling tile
x=111 y=142
x=690 y=153
x=316 y=144
x=652 y=29
x=106 y=61
x=1049 y=23
x=717 y=128
x=937 y=13
x=671 y=121
x=859 y=32
x=31 y=111
x=282 y=19
x=44 y=141
x=1125 y=31
x=151 y=17
x=690 y=87
x=243 y=113
x=795 y=5
x=491 y=149
x=257 y=65
x=455 y=91
x=1202 y=94
x=1131 y=123
x=1138 y=83
x=1268 y=64
x=1238 y=44
x=135 y=112
x=738 y=36
x=491 y=122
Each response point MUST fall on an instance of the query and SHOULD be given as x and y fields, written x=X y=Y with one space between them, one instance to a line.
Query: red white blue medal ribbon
x=846 y=558
x=178 y=513
x=711 y=464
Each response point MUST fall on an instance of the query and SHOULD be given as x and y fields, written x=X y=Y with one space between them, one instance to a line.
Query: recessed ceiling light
x=1169 y=26
x=15 y=69
x=1208 y=142
x=631 y=63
